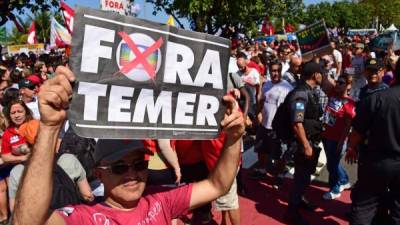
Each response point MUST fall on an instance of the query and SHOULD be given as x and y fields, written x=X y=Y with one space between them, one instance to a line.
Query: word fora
x=114 y=4
x=189 y=108
x=179 y=59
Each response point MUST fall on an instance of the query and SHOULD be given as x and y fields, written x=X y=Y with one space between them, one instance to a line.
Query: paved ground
x=264 y=205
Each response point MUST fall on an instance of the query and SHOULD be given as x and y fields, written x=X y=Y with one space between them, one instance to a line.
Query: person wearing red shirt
x=164 y=166
x=14 y=148
x=337 y=122
x=121 y=167
x=229 y=203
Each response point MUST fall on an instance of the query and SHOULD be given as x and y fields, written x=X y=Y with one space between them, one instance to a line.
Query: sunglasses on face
x=121 y=168
x=31 y=87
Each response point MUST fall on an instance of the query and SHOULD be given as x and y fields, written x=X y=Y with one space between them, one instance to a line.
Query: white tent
x=392 y=28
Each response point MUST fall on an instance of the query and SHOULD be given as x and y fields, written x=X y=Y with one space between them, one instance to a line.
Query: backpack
x=65 y=191
x=281 y=123
x=82 y=148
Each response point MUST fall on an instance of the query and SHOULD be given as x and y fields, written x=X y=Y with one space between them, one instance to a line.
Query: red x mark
x=141 y=57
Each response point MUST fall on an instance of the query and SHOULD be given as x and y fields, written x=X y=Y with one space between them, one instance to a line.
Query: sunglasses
x=31 y=87
x=121 y=168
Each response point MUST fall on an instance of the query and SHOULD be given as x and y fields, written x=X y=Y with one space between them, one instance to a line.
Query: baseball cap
x=374 y=64
x=34 y=79
x=25 y=83
x=310 y=68
x=115 y=149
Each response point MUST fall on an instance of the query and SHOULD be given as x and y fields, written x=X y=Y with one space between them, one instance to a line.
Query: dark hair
x=10 y=94
x=241 y=55
x=275 y=62
x=347 y=77
x=28 y=112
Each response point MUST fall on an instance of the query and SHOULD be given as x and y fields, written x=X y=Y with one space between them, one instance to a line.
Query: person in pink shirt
x=122 y=169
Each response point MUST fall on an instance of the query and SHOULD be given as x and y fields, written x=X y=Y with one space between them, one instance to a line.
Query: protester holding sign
x=121 y=169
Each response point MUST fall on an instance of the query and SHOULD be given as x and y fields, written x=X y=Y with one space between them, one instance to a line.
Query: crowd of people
x=346 y=101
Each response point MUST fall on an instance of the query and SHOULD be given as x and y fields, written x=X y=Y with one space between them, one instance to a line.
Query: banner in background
x=15 y=49
x=314 y=40
x=119 y=6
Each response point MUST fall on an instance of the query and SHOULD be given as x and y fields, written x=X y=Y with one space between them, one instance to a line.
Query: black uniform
x=379 y=114
x=305 y=108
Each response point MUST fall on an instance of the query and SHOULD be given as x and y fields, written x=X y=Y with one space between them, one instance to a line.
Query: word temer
x=120 y=105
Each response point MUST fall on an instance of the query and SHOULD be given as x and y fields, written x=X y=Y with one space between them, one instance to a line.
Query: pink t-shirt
x=153 y=209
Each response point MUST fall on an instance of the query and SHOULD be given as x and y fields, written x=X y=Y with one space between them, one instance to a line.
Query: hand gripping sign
x=139 y=79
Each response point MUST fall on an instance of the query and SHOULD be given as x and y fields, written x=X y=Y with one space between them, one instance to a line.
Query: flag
x=290 y=28
x=32 y=34
x=68 y=14
x=267 y=28
x=16 y=22
x=59 y=35
x=171 y=21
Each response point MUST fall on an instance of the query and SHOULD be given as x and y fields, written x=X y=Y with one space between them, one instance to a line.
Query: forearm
x=168 y=153
x=246 y=96
x=355 y=139
x=35 y=192
x=301 y=134
x=14 y=159
x=225 y=171
x=84 y=189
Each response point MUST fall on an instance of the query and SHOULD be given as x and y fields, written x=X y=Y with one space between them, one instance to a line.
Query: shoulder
x=285 y=84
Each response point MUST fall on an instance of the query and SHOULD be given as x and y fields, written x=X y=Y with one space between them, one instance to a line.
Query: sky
x=146 y=10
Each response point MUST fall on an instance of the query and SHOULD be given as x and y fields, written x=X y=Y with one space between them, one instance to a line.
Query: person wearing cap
x=374 y=71
x=379 y=165
x=305 y=113
x=122 y=169
x=27 y=92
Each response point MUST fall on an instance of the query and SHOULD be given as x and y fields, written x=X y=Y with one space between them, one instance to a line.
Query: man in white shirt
x=251 y=77
x=28 y=92
x=267 y=144
x=338 y=59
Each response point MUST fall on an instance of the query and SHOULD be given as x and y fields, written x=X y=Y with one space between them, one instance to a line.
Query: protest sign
x=119 y=6
x=139 y=79
x=314 y=40
x=16 y=49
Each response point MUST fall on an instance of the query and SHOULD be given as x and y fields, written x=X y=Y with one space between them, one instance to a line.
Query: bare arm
x=355 y=139
x=171 y=156
x=85 y=190
x=14 y=159
x=339 y=68
x=37 y=180
x=246 y=96
x=221 y=178
x=302 y=138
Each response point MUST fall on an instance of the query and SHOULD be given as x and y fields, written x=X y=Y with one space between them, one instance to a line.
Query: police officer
x=305 y=113
x=379 y=168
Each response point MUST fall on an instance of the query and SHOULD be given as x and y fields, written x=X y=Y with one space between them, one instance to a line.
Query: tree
x=387 y=11
x=7 y=7
x=42 y=20
x=17 y=37
x=209 y=16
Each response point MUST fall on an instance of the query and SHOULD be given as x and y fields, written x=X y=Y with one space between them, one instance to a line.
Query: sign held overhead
x=139 y=79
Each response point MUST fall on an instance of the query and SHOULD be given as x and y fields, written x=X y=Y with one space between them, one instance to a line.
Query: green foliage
x=43 y=26
x=387 y=11
x=340 y=14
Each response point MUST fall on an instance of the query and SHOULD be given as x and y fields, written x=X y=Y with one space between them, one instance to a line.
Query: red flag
x=289 y=28
x=68 y=14
x=271 y=30
x=264 y=26
x=32 y=34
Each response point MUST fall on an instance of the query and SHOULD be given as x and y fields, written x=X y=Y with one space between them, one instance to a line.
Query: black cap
x=24 y=83
x=374 y=64
x=310 y=68
x=115 y=149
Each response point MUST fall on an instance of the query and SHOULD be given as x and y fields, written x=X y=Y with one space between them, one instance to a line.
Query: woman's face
x=17 y=114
